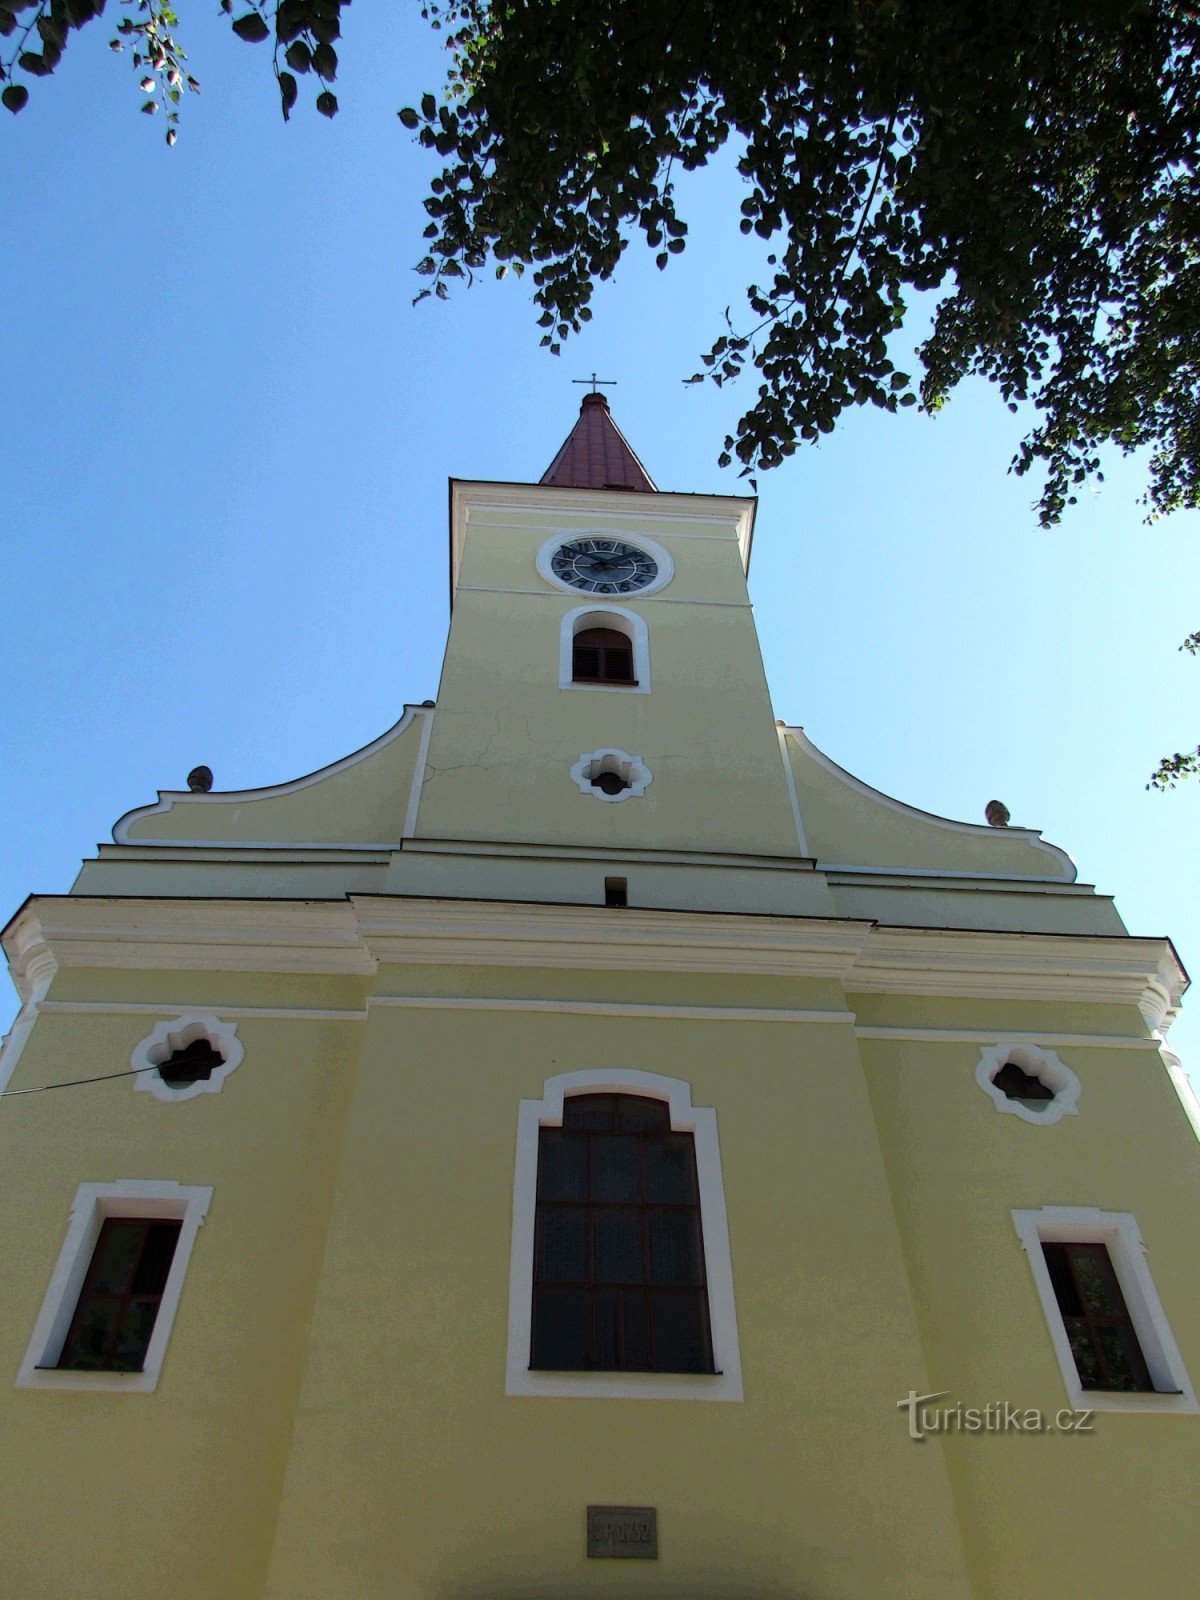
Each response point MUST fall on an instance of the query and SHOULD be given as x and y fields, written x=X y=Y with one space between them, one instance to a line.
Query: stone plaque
x=629 y=1533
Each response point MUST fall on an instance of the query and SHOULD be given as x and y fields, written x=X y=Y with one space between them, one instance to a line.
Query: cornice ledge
x=188 y=935
x=406 y=931
x=1106 y=969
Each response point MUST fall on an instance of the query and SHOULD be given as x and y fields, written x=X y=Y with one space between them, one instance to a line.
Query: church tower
x=586 y=1143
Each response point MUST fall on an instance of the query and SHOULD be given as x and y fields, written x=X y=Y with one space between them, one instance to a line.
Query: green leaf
x=297 y=56
x=325 y=62
x=14 y=97
x=327 y=104
x=408 y=117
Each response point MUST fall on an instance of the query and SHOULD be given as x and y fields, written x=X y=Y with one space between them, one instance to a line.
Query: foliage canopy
x=1031 y=164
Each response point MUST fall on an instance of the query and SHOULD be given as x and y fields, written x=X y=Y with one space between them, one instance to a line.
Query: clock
x=603 y=566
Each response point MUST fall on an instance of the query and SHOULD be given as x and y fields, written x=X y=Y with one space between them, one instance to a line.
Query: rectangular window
x=121 y=1295
x=115 y=1288
x=618 y=1277
x=1103 y=1342
x=1108 y=1327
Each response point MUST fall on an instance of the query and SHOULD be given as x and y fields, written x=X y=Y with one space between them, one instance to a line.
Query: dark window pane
x=680 y=1325
x=638 y=1115
x=1094 y=1275
x=618 y=665
x=560 y=1330
x=1062 y=1280
x=671 y=1169
x=1121 y=1358
x=676 y=1251
x=87 y=1346
x=562 y=1166
x=116 y=1252
x=606 y=1330
x=129 y=1350
x=615 y=1168
x=588 y=1111
x=150 y=1276
x=640 y=1223
x=119 y=1302
x=619 y=1246
x=1087 y=1361
x=585 y=667
x=562 y=1244
x=635 y=1309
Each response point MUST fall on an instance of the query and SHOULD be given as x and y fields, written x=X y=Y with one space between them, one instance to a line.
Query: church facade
x=587 y=1143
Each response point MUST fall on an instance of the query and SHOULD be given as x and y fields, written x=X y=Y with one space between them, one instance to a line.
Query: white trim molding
x=623 y=621
x=596 y=763
x=1119 y=1233
x=701 y=1123
x=128 y=1197
x=159 y=1046
x=1039 y=1063
x=658 y=553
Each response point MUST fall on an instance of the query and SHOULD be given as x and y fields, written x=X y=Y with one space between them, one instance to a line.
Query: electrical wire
x=74 y=1083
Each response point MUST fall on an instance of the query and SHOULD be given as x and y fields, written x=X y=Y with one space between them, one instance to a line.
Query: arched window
x=605 y=650
x=602 y=655
x=621 y=1283
x=618 y=1273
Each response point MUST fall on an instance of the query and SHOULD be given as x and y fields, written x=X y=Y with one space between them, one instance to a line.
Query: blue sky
x=224 y=462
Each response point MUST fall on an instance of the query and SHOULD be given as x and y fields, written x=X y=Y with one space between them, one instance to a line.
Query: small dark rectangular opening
x=616 y=891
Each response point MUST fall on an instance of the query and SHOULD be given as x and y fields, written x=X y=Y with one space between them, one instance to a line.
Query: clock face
x=603 y=566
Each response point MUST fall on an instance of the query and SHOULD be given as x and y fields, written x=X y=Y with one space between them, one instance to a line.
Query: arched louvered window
x=619 y=1281
x=602 y=655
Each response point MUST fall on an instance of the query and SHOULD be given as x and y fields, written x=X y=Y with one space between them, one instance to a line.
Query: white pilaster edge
x=127 y=1197
x=172 y=799
x=1040 y=1063
x=1118 y=1231
x=701 y=1123
x=1066 y=870
x=33 y=972
x=162 y=1042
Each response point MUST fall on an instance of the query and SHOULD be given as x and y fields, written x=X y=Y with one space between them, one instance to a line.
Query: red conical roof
x=596 y=455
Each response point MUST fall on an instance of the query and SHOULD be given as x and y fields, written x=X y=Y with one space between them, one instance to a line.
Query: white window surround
x=1038 y=1063
x=633 y=769
x=662 y=559
x=161 y=1045
x=128 y=1197
x=605 y=616
x=1118 y=1230
x=701 y=1123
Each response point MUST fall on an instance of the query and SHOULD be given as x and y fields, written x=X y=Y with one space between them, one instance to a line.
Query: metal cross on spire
x=595 y=382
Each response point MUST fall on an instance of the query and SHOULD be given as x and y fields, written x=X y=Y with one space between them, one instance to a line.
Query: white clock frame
x=666 y=567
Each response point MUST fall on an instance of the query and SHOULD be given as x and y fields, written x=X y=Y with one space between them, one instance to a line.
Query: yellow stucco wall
x=331 y=1419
